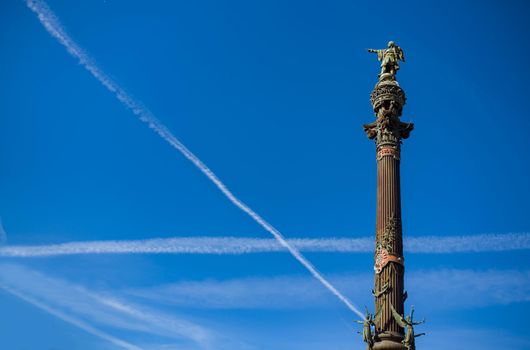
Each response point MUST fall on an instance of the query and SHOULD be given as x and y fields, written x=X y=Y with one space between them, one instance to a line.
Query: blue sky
x=270 y=95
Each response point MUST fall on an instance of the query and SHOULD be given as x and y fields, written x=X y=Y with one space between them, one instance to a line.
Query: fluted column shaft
x=389 y=238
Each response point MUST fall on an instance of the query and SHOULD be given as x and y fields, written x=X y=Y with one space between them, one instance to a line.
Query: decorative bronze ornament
x=387 y=151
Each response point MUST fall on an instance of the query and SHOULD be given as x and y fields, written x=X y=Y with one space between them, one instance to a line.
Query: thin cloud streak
x=55 y=29
x=75 y=302
x=451 y=288
x=72 y=320
x=237 y=245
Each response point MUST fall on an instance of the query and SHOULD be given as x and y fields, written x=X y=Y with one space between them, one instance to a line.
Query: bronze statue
x=369 y=321
x=409 y=342
x=389 y=58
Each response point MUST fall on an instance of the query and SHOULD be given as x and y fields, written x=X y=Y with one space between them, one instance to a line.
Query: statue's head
x=391 y=44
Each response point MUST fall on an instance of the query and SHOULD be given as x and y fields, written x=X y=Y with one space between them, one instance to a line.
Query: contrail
x=187 y=245
x=56 y=30
x=238 y=245
x=468 y=244
x=73 y=321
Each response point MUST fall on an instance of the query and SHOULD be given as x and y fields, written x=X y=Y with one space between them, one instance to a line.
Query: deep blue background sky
x=272 y=96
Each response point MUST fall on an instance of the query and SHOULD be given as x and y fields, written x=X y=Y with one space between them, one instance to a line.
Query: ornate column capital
x=387 y=100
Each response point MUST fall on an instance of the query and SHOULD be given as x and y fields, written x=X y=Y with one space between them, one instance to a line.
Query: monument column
x=387 y=130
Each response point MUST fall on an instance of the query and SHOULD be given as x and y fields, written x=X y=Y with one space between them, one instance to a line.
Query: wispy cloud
x=469 y=288
x=453 y=288
x=51 y=23
x=237 y=245
x=72 y=320
x=82 y=307
x=284 y=292
x=463 y=338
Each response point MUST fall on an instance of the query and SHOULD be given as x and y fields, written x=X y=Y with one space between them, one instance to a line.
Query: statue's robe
x=388 y=57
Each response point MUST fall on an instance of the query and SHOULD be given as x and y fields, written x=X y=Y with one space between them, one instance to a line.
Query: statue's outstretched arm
x=417 y=323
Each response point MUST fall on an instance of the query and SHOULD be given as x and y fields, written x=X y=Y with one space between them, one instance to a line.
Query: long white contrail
x=72 y=320
x=187 y=245
x=56 y=30
x=238 y=245
x=468 y=244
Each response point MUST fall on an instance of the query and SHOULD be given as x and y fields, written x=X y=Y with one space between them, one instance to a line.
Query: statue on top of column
x=389 y=58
